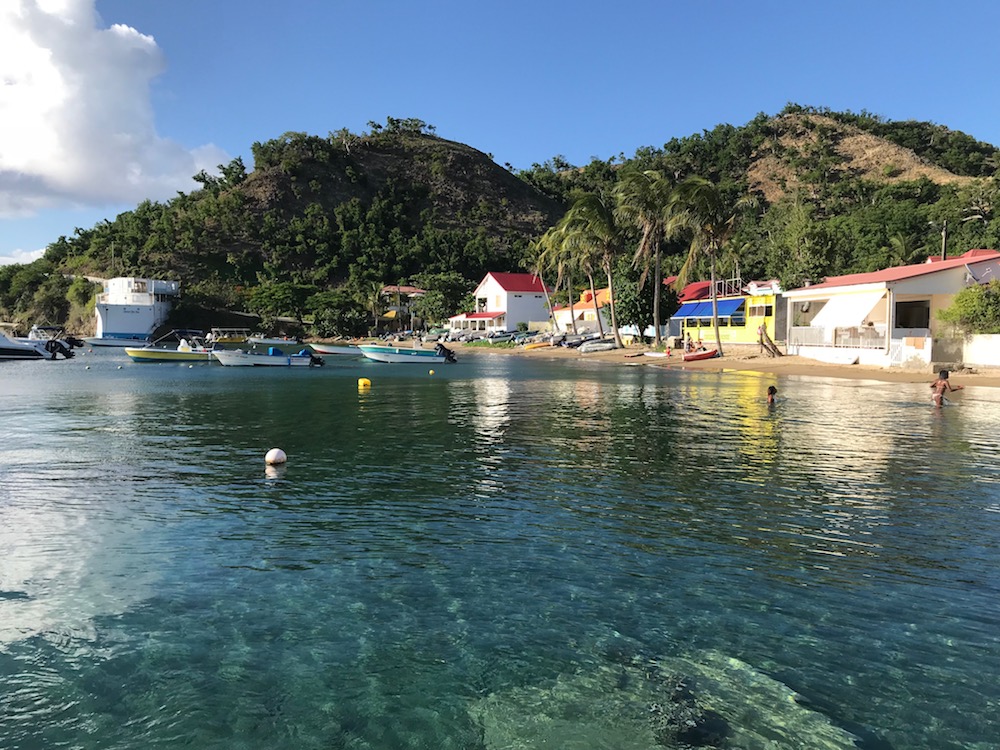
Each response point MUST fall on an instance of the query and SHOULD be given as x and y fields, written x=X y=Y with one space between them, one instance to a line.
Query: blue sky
x=105 y=103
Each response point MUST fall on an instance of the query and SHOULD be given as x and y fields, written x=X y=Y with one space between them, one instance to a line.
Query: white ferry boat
x=130 y=309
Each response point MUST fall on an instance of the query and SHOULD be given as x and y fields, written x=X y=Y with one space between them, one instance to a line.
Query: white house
x=502 y=301
x=885 y=318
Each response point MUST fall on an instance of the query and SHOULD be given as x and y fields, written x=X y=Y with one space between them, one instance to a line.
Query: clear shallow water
x=507 y=553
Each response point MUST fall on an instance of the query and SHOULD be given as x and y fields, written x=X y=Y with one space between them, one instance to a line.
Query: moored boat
x=274 y=358
x=228 y=335
x=13 y=350
x=380 y=353
x=261 y=340
x=345 y=350
x=695 y=356
x=185 y=351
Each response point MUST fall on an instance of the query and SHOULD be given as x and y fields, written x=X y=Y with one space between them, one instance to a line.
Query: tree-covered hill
x=321 y=223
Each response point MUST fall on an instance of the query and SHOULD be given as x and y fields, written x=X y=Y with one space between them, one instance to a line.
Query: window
x=913 y=314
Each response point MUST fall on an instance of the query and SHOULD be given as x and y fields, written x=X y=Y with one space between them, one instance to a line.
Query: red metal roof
x=899 y=273
x=519 y=282
x=694 y=291
x=481 y=315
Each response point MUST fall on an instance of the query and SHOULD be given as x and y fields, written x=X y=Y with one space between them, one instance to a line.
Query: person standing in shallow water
x=772 y=394
x=941 y=385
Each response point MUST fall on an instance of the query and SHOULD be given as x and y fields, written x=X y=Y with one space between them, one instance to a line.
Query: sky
x=106 y=103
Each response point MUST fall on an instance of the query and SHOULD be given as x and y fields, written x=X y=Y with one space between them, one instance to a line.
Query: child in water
x=941 y=385
x=772 y=394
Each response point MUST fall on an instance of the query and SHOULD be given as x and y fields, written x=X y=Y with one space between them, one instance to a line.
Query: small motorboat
x=54 y=339
x=378 y=353
x=13 y=349
x=274 y=358
x=339 y=350
x=194 y=350
x=228 y=335
x=703 y=354
x=258 y=339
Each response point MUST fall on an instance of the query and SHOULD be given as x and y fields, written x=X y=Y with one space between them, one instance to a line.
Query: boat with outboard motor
x=274 y=358
x=56 y=341
x=190 y=348
x=11 y=349
x=379 y=353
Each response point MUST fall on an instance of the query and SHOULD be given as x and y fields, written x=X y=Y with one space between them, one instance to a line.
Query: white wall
x=982 y=350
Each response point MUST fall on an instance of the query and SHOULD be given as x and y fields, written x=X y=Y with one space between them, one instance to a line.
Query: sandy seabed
x=749 y=359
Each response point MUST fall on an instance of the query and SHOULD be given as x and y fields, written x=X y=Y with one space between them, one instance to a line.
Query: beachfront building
x=885 y=318
x=502 y=301
x=742 y=312
x=585 y=313
x=398 y=312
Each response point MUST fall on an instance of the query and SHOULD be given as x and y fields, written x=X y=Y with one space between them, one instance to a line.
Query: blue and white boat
x=274 y=358
x=380 y=353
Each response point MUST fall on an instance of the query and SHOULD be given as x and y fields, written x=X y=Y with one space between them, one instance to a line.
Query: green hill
x=325 y=221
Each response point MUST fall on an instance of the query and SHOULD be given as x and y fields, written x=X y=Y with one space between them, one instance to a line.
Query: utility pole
x=944 y=240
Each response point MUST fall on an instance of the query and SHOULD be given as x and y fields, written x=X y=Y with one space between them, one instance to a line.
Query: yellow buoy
x=364 y=383
x=431 y=372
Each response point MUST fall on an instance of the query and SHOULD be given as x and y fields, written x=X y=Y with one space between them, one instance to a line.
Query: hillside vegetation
x=321 y=223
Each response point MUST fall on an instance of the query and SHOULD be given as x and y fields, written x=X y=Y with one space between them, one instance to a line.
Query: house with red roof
x=886 y=318
x=502 y=301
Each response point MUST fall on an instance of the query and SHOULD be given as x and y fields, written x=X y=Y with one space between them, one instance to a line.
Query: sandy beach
x=749 y=359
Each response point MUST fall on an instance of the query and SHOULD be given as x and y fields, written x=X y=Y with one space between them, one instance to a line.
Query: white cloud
x=21 y=256
x=76 y=121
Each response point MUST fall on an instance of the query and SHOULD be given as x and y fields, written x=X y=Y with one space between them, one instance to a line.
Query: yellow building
x=740 y=317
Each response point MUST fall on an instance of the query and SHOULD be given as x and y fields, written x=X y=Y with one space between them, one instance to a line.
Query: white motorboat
x=56 y=341
x=11 y=349
x=380 y=353
x=345 y=350
x=261 y=340
x=117 y=342
x=274 y=358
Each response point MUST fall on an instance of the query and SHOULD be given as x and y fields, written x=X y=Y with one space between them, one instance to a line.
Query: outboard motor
x=56 y=347
x=442 y=350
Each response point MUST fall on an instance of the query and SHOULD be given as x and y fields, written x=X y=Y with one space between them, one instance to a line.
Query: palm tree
x=550 y=250
x=700 y=205
x=595 y=239
x=644 y=199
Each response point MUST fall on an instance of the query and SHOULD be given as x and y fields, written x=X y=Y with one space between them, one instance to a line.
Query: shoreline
x=747 y=361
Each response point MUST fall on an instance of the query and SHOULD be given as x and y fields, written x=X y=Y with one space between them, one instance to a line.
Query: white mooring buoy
x=275 y=456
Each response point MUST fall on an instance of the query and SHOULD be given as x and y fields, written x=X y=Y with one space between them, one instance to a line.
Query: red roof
x=519 y=282
x=694 y=291
x=906 y=272
x=482 y=315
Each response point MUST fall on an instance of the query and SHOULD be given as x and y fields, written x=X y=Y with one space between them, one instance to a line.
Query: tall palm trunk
x=657 y=284
x=548 y=304
x=597 y=309
x=611 y=306
x=715 y=307
x=572 y=312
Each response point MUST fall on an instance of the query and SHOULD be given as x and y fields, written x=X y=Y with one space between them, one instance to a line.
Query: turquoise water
x=505 y=554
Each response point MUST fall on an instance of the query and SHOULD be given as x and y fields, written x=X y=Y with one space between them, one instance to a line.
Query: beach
x=747 y=358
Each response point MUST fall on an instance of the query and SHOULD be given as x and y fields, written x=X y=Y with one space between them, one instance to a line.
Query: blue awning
x=703 y=309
